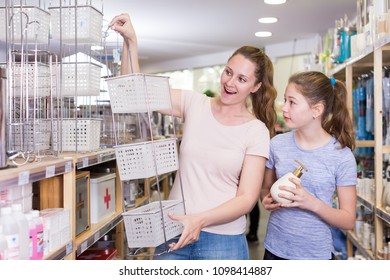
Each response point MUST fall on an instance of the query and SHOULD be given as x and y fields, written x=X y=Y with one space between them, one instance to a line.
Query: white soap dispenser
x=284 y=181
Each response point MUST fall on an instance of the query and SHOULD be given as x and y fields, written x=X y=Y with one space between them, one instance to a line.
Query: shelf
x=34 y=172
x=382 y=214
x=89 y=237
x=61 y=252
x=84 y=160
x=365 y=252
x=365 y=203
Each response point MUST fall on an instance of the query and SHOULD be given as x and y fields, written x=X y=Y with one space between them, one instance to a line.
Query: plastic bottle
x=23 y=231
x=32 y=233
x=11 y=232
x=3 y=245
x=284 y=181
x=39 y=233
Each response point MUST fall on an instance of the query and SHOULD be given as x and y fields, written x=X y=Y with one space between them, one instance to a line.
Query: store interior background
x=190 y=41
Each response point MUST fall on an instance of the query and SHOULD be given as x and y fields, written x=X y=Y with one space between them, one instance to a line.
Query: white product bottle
x=21 y=219
x=284 y=181
x=3 y=245
x=11 y=232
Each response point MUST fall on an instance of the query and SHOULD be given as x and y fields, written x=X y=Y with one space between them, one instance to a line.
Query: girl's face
x=297 y=112
x=238 y=80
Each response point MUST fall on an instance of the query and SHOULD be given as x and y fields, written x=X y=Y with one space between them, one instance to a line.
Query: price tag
x=50 y=171
x=84 y=246
x=85 y=162
x=24 y=178
x=100 y=158
x=96 y=237
x=69 y=247
x=68 y=166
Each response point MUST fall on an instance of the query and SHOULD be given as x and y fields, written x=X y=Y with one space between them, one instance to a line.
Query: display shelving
x=373 y=58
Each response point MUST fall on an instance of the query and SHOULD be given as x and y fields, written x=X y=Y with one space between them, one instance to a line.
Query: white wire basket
x=80 y=135
x=83 y=77
x=145 y=226
x=31 y=79
x=137 y=93
x=146 y=159
x=33 y=136
x=25 y=24
x=83 y=23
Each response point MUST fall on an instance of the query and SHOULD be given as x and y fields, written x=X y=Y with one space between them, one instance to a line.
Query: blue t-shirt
x=294 y=233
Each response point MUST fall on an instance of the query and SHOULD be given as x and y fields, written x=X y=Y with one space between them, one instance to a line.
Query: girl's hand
x=299 y=196
x=191 y=231
x=269 y=203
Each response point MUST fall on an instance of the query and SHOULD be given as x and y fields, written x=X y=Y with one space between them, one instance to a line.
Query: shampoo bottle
x=284 y=181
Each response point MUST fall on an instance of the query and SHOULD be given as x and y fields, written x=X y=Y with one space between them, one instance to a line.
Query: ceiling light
x=268 y=20
x=274 y=2
x=263 y=34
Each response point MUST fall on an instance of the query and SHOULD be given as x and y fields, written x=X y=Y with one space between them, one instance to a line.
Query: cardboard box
x=102 y=193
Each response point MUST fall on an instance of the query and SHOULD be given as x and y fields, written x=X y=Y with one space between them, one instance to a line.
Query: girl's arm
x=268 y=202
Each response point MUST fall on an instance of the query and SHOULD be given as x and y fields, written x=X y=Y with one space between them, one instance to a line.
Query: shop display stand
x=372 y=59
x=31 y=83
x=145 y=155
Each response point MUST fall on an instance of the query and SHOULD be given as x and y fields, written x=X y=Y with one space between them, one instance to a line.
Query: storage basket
x=82 y=135
x=83 y=76
x=146 y=159
x=145 y=226
x=35 y=136
x=137 y=93
x=36 y=20
x=41 y=83
x=87 y=29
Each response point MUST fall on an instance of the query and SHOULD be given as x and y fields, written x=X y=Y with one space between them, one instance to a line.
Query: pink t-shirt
x=211 y=157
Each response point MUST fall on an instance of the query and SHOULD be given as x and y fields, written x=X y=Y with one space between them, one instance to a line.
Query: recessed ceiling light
x=268 y=20
x=263 y=34
x=274 y=2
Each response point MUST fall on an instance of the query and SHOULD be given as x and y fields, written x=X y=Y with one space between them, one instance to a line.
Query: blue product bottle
x=370 y=105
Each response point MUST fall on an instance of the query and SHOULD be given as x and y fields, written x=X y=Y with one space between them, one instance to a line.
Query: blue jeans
x=210 y=246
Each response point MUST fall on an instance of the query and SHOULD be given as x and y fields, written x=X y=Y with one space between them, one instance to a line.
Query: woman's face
x=238 y=80
x=296 y=110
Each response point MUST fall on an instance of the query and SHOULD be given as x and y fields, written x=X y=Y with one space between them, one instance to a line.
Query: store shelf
x=366 y=253
x=365 y=203
x=84 y=160
x=97 y=231
x=34 y=172
x=382 y=214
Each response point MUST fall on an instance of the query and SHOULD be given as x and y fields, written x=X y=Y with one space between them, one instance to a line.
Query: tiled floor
x=256 y=250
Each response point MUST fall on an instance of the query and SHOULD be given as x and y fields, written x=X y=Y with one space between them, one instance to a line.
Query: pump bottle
x=284 y=181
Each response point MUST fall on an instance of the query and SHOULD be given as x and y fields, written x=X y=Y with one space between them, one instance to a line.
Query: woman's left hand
x=191 y=230
x=300 y=197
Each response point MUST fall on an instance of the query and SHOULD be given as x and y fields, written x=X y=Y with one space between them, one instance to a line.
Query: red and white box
x=102 y=195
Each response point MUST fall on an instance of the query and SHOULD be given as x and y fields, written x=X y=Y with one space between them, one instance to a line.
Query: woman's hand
x=122 y=24
x=191 y=231
x=269 y=203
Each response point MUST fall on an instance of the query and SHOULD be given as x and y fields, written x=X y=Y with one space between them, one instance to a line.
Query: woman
x=222 y=154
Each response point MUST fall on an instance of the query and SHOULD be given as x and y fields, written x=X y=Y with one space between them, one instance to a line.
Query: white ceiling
x=173 y=29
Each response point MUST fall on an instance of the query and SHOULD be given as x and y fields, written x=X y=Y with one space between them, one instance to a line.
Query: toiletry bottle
x=39 y=233
x=284 y=181
x=11 y=232
x=3 y=245
x=23 y=231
